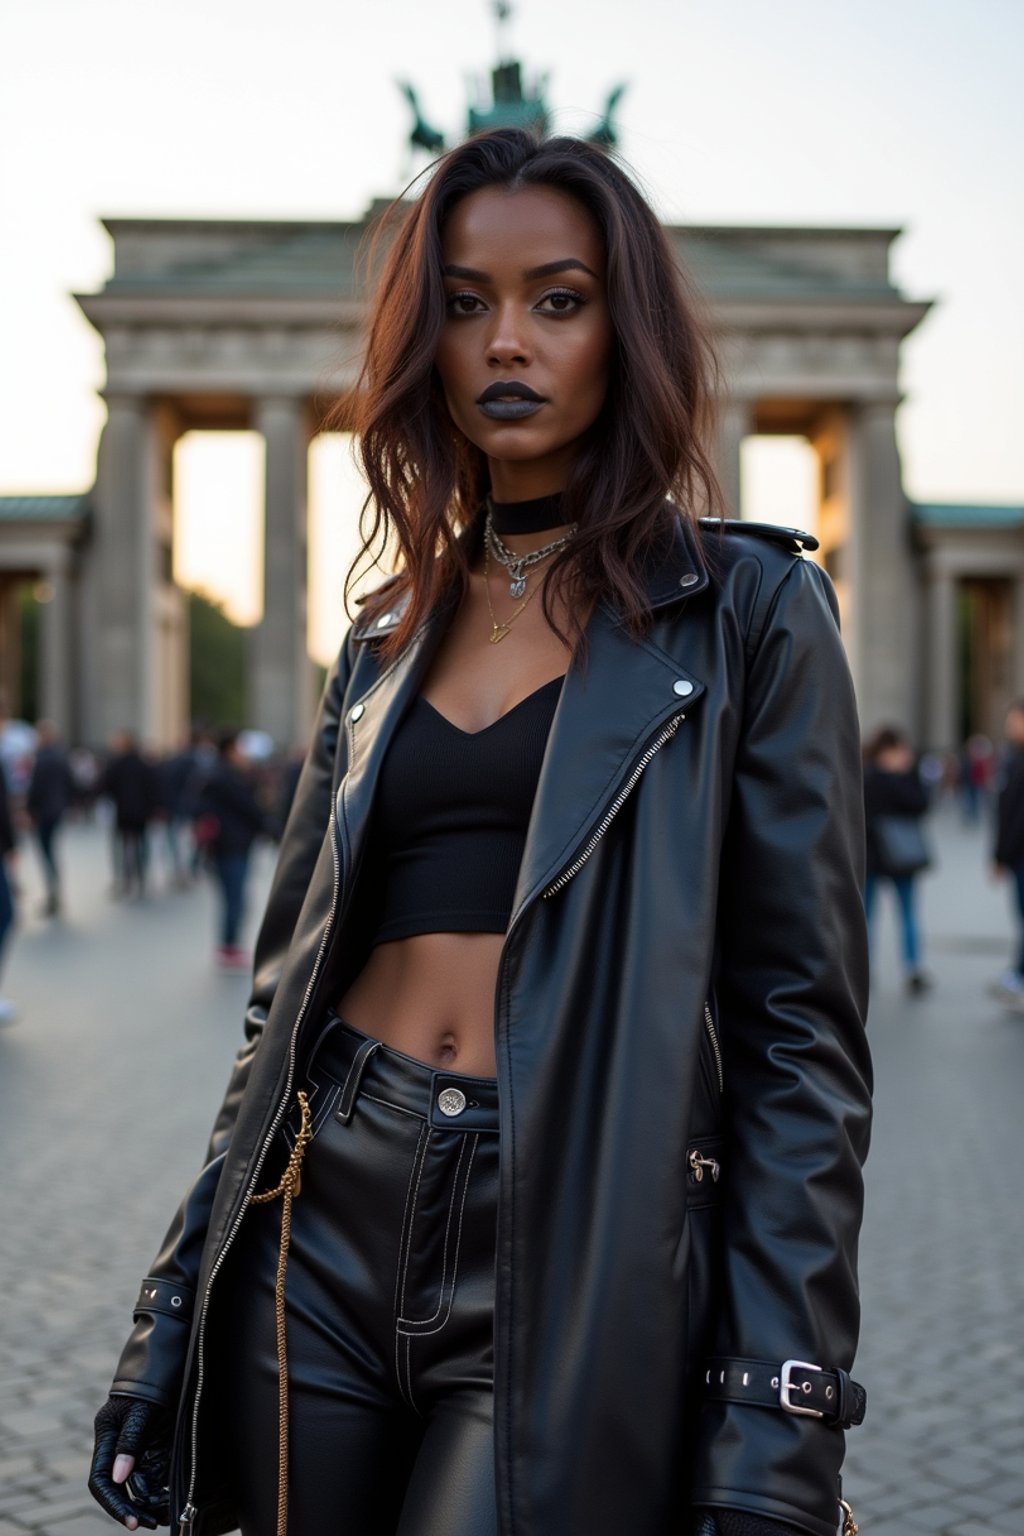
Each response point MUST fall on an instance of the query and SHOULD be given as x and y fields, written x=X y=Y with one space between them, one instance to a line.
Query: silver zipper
x=698 y=1163
x=188 y=1514
x=616 y=805
x=712 y=1033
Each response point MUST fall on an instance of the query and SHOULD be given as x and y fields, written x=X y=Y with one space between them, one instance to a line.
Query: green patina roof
x=306 y=262
x=733 y=270
x=949 y=514
x=42 y=509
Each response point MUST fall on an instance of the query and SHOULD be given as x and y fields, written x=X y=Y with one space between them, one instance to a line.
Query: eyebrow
x=548 y=269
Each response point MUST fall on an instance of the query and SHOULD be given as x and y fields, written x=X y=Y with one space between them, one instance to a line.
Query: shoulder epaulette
x=793 y=539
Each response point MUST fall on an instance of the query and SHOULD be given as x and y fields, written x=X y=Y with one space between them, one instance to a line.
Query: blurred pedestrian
x=230 y=820
x=895 y=800
x=1008 y=858
x=50 y=792
x=8 y=843
x=174 y=775
x=977 y=763
x=85 y=776
x=129 y=782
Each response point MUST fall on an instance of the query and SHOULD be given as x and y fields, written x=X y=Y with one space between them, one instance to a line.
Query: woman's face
x=525 y=353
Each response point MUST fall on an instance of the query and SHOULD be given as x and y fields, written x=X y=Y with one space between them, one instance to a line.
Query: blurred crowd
x=173 y=819
x=197 y=812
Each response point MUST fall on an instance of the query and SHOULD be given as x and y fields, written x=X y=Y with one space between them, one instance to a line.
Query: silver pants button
x=451 y=1101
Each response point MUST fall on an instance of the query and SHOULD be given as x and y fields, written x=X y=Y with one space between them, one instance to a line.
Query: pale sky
x=890 y=112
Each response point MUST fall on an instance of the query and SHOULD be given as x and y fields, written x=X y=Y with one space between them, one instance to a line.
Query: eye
x=561 y=301
x=465 y=304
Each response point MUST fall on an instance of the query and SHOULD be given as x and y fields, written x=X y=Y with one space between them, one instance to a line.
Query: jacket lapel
x=607 y=715
x=371 y=722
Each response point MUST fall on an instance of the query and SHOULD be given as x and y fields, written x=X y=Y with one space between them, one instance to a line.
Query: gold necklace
x=499 y=631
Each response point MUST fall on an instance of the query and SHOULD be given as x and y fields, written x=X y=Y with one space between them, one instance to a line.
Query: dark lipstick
x=509 y=400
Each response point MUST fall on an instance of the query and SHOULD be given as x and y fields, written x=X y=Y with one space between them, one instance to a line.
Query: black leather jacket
x=684 y=977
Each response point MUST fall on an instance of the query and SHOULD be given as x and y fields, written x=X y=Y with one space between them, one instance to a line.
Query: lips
x=509 y=400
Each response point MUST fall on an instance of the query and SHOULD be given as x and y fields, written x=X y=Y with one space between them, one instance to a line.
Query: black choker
x=526 y=516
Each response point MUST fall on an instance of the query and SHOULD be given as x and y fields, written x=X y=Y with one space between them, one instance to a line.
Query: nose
x=507 y=341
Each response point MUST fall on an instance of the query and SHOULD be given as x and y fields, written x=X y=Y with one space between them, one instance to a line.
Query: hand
x=133 y=1440
x=996 y=872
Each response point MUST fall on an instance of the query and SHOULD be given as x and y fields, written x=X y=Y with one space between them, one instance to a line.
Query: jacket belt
x=795 y=1386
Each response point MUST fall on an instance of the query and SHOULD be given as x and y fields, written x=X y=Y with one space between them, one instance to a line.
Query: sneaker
x=1009 y=988
x=231 y=958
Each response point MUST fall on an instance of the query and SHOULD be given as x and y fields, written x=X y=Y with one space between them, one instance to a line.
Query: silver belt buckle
x=787 y=1386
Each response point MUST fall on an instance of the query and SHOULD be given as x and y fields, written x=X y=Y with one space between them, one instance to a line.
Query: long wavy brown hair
x=428 y=481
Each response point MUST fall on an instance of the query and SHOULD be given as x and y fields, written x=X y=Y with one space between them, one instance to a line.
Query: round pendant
x=517 y=586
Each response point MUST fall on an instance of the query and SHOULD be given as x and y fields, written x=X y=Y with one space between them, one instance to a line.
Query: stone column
x=735 y=422
x=884 y=632
x=942 y=725
x=10 y=647
x=123 y=574
x=282 y=678
x=55 y=661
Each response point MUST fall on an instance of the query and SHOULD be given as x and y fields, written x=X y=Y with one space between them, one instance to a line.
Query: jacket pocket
x=704 y=1172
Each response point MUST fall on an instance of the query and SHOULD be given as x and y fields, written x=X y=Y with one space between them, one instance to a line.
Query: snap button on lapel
x=356 y=711
x=682 y=688
x=689 y=580
x=384 y=620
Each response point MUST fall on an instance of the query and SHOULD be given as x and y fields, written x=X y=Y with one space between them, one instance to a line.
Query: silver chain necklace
x=518 y=565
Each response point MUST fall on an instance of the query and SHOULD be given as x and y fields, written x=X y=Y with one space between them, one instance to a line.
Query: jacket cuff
x=152 y=1363
x=158 y=1295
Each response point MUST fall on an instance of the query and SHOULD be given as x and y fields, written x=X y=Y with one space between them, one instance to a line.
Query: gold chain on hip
x=287 y=1189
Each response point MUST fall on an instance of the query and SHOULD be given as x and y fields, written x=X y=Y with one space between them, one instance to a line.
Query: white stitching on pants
x=408 y=1371
x=421 y=1332
x=402 y=1319
x=407 y=1221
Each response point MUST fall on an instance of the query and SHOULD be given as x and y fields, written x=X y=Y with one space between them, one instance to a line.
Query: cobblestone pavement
x=110 y=1077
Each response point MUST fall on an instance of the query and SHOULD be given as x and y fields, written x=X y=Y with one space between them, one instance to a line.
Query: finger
x=113 y=1499
x=123 y=1466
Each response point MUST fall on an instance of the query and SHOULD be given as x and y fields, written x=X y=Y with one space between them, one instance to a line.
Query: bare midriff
x=432 y=997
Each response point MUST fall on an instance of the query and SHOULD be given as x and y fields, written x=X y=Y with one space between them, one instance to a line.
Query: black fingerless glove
x=738 y=1522
x=132 y=1426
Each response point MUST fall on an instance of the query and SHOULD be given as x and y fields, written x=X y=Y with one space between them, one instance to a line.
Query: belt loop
x=354 y=1078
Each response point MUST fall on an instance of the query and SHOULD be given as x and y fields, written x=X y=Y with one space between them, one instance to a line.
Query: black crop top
x=451 y=815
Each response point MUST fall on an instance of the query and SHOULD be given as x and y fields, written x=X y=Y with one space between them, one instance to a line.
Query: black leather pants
x=390 y=1300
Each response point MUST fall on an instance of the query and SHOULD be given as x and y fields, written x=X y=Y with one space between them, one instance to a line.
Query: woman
x=895 y=800
x=572 y=872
